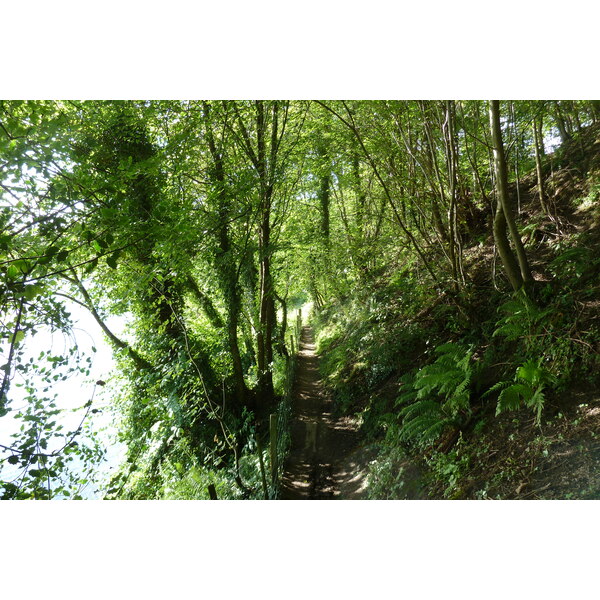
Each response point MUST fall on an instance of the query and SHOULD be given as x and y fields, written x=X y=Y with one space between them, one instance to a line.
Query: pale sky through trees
x=75 y=391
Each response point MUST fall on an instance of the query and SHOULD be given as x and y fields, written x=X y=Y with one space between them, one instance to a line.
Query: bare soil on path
x=326 y=460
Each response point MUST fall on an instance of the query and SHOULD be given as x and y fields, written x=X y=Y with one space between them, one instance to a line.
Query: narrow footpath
x=325 y=460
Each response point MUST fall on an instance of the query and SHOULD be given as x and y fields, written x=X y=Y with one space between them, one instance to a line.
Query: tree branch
x=140 y=362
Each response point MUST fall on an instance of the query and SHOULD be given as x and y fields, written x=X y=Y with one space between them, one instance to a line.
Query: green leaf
x=107 y=213
x=13 y=460
x=31 y=291
x=91 y=266
x=22 y=266
x=12 y=272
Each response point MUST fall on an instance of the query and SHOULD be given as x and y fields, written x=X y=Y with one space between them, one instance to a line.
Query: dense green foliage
x=454 y=362
x=435 y=239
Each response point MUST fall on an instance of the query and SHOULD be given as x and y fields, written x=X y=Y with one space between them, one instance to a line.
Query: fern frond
x=497 y=386
x=536 y=402
x=510 y=398
x=449 y=348
x=511 y=329
x=406 y=397
x=434 y=431
x=463 y=386
x=530 y=372
x=447 y=379
x=456 y=403
x=419 y=408
x=423 y=421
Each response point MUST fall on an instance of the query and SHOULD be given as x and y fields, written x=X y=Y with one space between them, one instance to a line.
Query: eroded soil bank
x=326 y=460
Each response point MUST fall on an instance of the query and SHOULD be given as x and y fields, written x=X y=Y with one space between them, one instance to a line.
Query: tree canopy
x=206 y=224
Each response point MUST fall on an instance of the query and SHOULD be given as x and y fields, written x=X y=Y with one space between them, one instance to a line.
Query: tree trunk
x=227 y=270
x=511 y=266
x=324 y=190
x=455 y=245
x=360 y=196
x=351 y=125
x=266 y=172
x=538 y=166
x=595 y=104
x=519 y=276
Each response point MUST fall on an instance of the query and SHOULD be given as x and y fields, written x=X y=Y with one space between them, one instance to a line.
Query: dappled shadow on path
x=320 y=464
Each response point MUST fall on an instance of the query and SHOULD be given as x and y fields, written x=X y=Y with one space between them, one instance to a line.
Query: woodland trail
x=325 y=461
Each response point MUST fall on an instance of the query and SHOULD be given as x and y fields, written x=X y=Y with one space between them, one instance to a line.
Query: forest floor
x=326 y=459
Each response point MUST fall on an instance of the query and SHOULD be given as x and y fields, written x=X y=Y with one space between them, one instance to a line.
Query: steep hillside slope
x=485 y=394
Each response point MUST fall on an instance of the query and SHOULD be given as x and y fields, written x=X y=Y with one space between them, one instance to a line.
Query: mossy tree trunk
x=227 y=267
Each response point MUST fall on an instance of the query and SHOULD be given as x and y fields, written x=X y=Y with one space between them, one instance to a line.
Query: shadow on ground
x=325 y=460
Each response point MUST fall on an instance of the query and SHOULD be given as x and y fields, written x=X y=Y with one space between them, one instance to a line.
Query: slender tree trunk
x=538 y=166
x=360 y=195
x=351 y=125
x=452 y=159
x=511 y=266
x=521 y=275
x=539 y=123
x=266 y=314
x=576 y=117
x=360 y=202
x=283 y=327
x=477 y=182
x=324 y=190
x=232 y=337
x=140 y=362
x=516 y=145
x=436 y=195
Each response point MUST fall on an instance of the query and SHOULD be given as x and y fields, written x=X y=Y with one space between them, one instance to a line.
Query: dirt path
x=325 y=460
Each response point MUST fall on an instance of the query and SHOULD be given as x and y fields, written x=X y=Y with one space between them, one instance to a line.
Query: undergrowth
x=427 y=387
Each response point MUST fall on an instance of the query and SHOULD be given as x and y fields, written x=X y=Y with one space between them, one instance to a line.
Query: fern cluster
x=527 y=389
x=436 y=395
x=545 y=334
